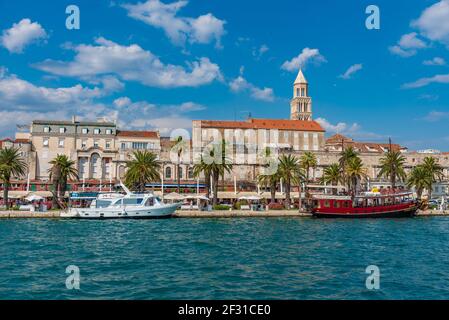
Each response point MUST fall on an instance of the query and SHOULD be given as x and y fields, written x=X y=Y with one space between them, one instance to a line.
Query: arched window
x=180 y=172
x=168 y=173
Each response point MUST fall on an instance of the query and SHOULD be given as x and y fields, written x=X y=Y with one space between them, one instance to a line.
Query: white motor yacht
x=129 y=206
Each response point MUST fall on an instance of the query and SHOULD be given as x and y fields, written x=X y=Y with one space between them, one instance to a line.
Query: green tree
x=355 y=171
x=434 y=170
x=420 y=179
x=11 y=165
x=215 y=165
x=308 y=161
x=62 y=170
x=288 y=170
x=332 y=176
x=346 y=156
x=142 y=169
x=272 y=181
x=392 y=167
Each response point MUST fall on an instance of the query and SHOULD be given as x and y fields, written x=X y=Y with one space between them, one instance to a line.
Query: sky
x=158 y=64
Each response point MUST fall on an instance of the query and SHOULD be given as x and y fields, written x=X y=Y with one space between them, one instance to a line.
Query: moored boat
x=365 y=205
x=120 y=206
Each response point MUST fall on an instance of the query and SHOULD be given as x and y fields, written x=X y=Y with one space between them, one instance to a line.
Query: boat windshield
x=102 y=203
x=132 y=201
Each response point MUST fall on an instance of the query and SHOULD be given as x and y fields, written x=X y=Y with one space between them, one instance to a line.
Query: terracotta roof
x=337 y=139
x=14 y=141
x=138 y=134
x=298 y=125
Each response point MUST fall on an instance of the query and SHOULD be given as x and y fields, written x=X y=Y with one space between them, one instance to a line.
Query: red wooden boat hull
x=399 y=211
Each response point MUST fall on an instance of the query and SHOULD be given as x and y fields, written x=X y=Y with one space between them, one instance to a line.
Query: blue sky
x=160 y=64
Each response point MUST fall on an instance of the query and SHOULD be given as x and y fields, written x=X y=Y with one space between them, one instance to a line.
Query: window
x=108 y=131
x=108 y=144
x=46 y=129
x=303 y=92
x=327 y=204
x=84 y=130
x=45 y=142
x=123 y=146
x=83 y=143
x=139 y=145
x=180 y=173
x=297 y=91
x=62 y=130
x=168 y=173
x=96 y=131
x=96 y=143
x=61 y=143
x=190 y=173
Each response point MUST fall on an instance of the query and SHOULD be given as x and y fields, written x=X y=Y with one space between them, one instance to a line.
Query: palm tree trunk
x=273 y=193
x=299 y=197
x=178 y=176
x=215 y=179
x=287 y=194
x=5 y=194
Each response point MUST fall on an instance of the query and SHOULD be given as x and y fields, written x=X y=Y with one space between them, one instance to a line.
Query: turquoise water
x=225 y=258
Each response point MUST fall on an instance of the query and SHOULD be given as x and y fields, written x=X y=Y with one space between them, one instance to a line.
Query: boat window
x=132 y=201
x=345 y=204
x=149 y=202
x=102 y=203
x=336 y=204
x=327 y=204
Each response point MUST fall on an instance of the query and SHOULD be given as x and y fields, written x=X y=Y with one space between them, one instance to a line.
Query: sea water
x=254 y=258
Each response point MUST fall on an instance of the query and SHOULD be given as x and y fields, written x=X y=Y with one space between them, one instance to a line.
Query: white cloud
x=407 y=46
x=307 y=55
x=437 y=61
x=203 y=29
x=22 y=34
x=434 y=116
x=351 y=71
x=439 y=78
x=259 y=52
x=240 y=84
x=434 y=22
x=145 y=115
x=353 y=130
x=132 y=63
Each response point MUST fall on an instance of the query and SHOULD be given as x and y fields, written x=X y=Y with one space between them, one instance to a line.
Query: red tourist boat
x=365 y=205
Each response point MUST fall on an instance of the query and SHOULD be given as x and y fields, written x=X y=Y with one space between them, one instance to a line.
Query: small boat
x=365 y=205
x=120 y=206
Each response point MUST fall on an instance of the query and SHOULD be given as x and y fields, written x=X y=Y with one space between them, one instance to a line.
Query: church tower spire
x=301 y=104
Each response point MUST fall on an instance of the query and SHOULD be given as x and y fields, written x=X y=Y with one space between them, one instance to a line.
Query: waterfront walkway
x=208 y=214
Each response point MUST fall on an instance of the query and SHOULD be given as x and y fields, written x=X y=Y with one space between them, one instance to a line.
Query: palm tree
x=355 y=171
x=288 y=168
x=434 y=170
x=143 y=168
x=270 y=180
x=180 y=145
x=203 y=167
x=346 y=156
x=308 y=161
x=332 y=176
x=420 y=179
x=298 y=179
x=11 y=165
x=214 y=168
x=392 y=166
x=62 y=170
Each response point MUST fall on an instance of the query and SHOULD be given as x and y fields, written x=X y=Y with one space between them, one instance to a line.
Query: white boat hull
x=132 y=212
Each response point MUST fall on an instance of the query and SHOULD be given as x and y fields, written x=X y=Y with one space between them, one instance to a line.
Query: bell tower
x=301 y=104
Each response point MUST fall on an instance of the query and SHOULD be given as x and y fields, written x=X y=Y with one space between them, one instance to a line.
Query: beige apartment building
x=99 y=148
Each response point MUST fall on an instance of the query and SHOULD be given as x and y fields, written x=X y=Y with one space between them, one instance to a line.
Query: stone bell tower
x=301 y=104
